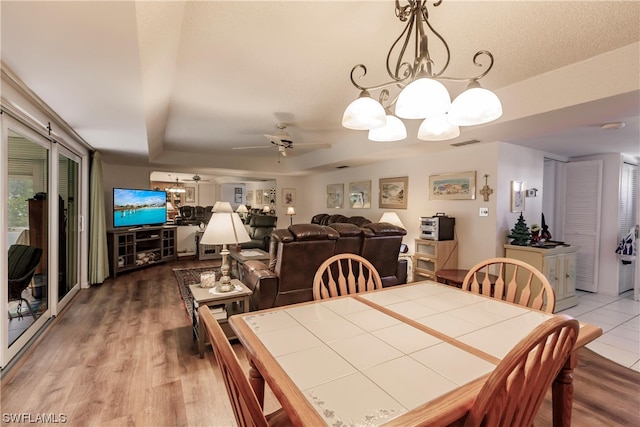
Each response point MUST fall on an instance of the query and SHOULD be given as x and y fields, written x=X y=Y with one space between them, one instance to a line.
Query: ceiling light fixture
x=422 y=95
x=177 y=188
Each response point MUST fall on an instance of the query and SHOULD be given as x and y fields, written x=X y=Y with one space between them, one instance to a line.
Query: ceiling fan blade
x=312 y=144
x=252 y=147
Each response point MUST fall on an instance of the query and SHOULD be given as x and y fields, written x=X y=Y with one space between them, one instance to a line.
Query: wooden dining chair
x=516 y=282
x=344 y=274
x=244 y=402
x=514 y=391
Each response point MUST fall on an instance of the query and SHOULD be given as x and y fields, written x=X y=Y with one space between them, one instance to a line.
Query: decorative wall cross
x=486 y=190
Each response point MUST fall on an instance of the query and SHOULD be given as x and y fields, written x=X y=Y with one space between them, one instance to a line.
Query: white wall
x=479 y=237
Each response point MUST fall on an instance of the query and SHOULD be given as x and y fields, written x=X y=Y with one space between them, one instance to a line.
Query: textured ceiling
x=179 y=84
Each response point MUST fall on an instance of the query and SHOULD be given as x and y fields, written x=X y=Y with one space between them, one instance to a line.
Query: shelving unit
x=130 y=249
x=433 y=255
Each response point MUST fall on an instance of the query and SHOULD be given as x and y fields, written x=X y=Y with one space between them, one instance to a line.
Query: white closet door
x=582 y=219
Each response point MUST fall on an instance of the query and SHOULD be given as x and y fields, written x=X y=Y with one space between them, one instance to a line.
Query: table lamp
x=242 y=211
x=266 y=209
x=225 y=227
x=291 y=212
x=392 y=218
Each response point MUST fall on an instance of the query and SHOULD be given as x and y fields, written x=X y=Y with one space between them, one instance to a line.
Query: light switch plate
x=484 y=212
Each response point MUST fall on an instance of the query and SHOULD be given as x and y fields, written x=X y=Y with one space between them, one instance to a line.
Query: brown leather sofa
x=326 y=219
x=297 y=252
x=295 y=255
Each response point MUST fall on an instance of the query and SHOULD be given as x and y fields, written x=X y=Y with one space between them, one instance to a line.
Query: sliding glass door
x=28 y=222
x=68 y=232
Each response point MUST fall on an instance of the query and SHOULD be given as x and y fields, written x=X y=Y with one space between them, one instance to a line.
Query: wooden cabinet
x=135 y=248
x=433 y=255
x=557 y=264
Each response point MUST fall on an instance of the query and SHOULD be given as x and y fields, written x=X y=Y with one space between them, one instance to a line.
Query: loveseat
x=296 y=253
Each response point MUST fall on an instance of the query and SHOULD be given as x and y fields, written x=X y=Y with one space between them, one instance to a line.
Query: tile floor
x=619 y=318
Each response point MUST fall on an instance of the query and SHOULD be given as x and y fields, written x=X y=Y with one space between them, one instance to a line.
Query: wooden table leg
x=562 y=392
x=257 y=382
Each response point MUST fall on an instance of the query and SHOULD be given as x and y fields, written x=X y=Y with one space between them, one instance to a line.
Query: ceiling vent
x=342 y=167
x=469 y=142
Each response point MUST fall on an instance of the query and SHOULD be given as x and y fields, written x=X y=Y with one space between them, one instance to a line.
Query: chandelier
x=422 y=95
x=177 y=188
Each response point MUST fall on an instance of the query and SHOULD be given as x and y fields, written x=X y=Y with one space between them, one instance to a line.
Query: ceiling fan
x=196 y=178
x=283 y=141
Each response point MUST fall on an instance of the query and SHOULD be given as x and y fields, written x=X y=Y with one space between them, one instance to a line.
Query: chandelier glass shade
x=422 y=94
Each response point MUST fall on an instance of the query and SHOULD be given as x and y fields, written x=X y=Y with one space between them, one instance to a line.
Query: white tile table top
x=358 y=365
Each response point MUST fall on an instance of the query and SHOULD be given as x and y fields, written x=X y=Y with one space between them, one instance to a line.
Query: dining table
x=414 y=354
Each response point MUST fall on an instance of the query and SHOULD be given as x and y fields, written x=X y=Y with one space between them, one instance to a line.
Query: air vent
x=342 y=167
x=469 y=142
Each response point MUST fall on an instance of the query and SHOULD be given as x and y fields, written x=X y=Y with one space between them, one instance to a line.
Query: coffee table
x=223 y=306
x=245 y=255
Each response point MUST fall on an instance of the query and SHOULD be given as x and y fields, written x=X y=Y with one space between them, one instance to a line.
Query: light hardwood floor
x=122 y=355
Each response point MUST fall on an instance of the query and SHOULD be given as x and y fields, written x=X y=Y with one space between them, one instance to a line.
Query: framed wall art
x=518 y=193
x=259 y=203
x=190 y=194
x=360 y=195
x=335 y=195
x=453 y=186
x=288 y=197
x=250 y=197
x=238 y=195
x=394 y=193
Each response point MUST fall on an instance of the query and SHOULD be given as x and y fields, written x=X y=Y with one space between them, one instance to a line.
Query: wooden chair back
x=515 y=390
x=344 y=274
x=244 y=402
x=517 y=282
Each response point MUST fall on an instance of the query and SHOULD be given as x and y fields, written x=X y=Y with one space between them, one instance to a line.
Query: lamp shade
x=266 y=209
x=291 y=210
x=242 y=209
x=225 y=228
x=423 y=98
x=394 y=130
x=170 y=207
x=364 y=113
x=391 y=218
x=437 y=128
x=475 y=106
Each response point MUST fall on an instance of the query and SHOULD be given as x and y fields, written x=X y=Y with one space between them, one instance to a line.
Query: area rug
x=191 y=276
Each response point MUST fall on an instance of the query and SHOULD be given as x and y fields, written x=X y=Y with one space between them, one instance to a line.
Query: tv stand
x=134 y=248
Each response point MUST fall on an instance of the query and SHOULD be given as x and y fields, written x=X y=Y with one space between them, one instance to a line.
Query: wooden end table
x=223 y=305
x=244 y=255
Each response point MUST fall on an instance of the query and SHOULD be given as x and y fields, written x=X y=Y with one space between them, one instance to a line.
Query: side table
x=223 y=306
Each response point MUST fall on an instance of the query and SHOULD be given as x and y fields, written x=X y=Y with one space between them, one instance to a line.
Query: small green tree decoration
x=520 y=233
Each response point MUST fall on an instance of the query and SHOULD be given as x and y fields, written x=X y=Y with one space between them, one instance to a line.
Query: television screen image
x=133 y=208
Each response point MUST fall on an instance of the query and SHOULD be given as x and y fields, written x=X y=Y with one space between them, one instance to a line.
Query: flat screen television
x=135 y=208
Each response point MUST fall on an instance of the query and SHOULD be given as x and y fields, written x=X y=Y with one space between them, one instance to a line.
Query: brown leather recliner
x=381 y=246
x=260 y=229
x=295 y=255
x=350 y=240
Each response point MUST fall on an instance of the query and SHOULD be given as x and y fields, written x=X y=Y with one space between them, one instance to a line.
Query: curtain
x=98 y=252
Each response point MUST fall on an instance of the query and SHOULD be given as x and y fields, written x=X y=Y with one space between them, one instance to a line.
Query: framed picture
x=266 y=197
x=360 y=195
x=190 y=195
x=250 y=197
x=335 y=195
x=288 y=197
x=518 y=193
x=259 y=203
x=394 y=193
x=453 y=186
